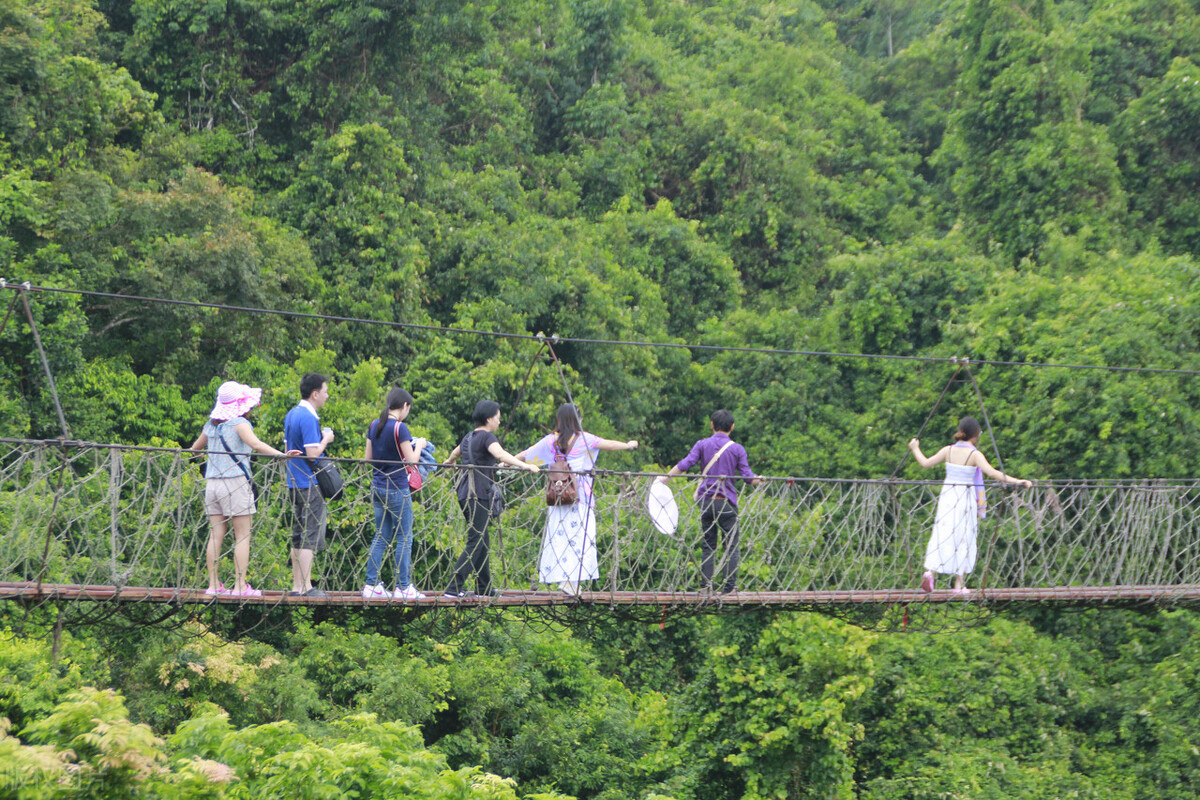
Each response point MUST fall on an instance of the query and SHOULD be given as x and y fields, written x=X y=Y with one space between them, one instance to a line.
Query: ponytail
x=397 y=398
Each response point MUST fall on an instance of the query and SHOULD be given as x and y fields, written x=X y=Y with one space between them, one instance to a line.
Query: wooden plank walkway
x=1178 y=595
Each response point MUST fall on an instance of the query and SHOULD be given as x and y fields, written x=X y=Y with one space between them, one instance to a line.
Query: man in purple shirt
x=723 y=459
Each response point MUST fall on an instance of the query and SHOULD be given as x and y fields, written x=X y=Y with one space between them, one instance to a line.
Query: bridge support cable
x=21 y=291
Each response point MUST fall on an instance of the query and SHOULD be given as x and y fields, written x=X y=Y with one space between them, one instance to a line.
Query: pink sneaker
x=219 y=591
x=928 y=582
x=249 y=591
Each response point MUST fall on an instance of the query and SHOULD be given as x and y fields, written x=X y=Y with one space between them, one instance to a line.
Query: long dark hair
x=397 y=398
x=567 y=422
x=968 y=429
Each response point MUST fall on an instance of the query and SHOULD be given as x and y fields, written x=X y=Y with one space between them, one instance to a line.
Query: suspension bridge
x=85 y=524
x=93 y=529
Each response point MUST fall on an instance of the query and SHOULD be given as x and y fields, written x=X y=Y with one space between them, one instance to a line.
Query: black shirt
x=473 y=450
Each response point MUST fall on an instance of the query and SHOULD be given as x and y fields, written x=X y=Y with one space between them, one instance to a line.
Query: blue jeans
x=393 y=515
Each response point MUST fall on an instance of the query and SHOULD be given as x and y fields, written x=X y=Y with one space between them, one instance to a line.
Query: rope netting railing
x=89 y=522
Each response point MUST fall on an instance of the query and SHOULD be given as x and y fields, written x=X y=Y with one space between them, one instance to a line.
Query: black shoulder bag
x=329 y=478
x=496 y=501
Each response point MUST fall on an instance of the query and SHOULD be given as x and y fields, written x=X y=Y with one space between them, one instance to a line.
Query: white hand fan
x=664 y=512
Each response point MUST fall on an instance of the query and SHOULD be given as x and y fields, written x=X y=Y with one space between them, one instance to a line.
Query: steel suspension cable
x=586 y=340
x=929 y=418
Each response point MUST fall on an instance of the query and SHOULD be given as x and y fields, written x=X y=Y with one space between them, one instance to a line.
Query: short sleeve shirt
x=300 y=427
x=386 y=459
x=474 y=450
x=220 y=463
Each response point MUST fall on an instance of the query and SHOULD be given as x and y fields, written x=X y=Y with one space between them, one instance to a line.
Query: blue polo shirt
x=301 y=427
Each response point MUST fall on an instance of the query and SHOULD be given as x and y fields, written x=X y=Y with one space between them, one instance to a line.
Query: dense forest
x=1002 y=180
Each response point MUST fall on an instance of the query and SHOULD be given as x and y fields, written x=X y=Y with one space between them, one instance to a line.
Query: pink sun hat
x=233 y=400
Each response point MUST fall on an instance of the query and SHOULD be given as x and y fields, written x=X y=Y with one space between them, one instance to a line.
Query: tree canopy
x=1001 y=181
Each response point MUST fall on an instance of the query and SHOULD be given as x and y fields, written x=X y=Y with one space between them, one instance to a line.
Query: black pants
x=474 y=556
x=717 y=513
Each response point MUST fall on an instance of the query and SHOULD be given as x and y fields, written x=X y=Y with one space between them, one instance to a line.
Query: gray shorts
x=228 y=497
x=309 y=518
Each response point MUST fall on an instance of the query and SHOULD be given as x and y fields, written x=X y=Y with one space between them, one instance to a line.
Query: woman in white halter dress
x=952 y=545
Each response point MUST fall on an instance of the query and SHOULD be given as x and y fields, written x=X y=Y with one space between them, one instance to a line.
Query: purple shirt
x=732 y=462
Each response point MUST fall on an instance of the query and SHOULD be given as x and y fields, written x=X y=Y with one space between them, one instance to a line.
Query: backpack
x=561 y=488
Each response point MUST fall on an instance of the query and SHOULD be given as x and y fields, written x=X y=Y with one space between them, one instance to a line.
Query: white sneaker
x=410 y=593
x=377 y=590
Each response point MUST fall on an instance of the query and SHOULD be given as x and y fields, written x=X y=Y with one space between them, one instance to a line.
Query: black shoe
x=458 y=596
x=315 y=592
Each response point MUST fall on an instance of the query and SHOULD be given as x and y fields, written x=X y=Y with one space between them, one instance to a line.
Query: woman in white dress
x=961 y=504
x=568 y=553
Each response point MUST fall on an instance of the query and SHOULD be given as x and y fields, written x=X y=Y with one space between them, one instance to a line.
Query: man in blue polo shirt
x=302 y=431
x=717 y=496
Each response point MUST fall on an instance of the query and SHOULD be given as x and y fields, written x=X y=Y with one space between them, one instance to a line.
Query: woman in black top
x=479 y=448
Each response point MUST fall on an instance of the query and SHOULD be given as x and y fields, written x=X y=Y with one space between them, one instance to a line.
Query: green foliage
x=87 y=747
x=1027 y=164
x=372 y=672
x=697 y=279
x=533 y=706
x=734 y=174
x=350 y=200
x=769 y=717
x=170 y=679
x=33 y=680
x=109 y=402
x=1132 y=44
x=355 y=757
x=985 y=179
x=1158 y=140
x=1107 y=310
x=61 y=106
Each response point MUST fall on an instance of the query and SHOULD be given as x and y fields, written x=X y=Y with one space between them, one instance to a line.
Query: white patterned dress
x=569 y=543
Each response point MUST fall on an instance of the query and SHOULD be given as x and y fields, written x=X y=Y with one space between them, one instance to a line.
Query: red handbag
x=415 y=481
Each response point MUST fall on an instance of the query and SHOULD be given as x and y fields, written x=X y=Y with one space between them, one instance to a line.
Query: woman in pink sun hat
x=228 y=438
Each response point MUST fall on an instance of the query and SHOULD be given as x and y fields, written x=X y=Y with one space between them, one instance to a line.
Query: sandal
x=928 y=581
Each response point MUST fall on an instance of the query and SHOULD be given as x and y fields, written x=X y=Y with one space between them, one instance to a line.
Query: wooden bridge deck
x=1179 y=595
